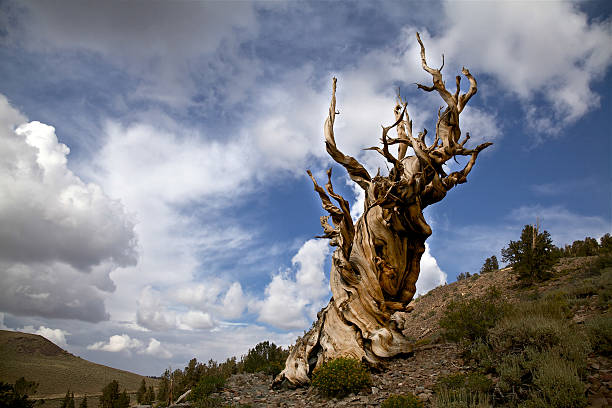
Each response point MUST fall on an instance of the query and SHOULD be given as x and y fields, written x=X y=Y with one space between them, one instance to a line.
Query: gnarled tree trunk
x=376 y=265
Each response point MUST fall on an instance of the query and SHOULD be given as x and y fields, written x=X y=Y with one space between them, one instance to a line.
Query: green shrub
x=473 y=382
x=519 y=332
x=340 y=377
x=600 y=334
x=402 y=401
x=207 y=385
x=511 y=369
x=481 y=353
x=471 y=319
x=556 y=384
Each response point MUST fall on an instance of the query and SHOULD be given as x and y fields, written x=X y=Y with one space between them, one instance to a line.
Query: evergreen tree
x=123 y=401
x=605 y=243
x=265 y=356
x=463 y=275
x=150 y=395
x=490 y=265
x=532 y=257
x=164 y=387
x=140 y=394
x=68 y=401
x=110 y=395
x=17 y=395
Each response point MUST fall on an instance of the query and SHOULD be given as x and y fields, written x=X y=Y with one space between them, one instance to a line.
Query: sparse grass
x=402 y=401
x=461 y=399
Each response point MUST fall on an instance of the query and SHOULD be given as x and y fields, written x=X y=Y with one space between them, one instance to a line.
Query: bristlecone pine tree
x=376 y=265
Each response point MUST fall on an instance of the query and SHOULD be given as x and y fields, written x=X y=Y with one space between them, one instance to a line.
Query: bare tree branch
x=356 y=171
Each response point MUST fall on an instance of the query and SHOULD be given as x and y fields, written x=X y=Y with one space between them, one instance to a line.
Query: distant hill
x=38 y=359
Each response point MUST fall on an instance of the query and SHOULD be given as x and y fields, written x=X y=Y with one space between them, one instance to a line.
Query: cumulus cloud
x=52 y=209
x=234 y=302
x=54 y=228
x=195 y=320
x=117 y=343
x=57 y=336
x=531 y=55
x=431 y=275
x=292 y=302
x=152 y=313
x=156 y=349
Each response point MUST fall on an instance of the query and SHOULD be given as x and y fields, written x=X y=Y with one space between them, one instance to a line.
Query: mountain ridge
x=56 y=370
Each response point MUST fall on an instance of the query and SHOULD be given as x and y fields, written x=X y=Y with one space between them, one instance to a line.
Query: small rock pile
x=416 y=374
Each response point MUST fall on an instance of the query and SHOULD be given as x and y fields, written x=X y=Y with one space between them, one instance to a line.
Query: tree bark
x=377 y=262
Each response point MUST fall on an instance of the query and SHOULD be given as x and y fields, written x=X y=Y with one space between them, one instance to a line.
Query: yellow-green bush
x=340 y=377
x=520 y=332
x=600 y=334
x=473 y=382
x=402 y=401
x=556 y=383
x=471 y=319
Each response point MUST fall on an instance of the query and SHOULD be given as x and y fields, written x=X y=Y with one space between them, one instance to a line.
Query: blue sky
x=154 y=200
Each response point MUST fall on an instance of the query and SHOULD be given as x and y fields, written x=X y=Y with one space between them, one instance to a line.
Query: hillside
x=38 y=359
x=587 y=291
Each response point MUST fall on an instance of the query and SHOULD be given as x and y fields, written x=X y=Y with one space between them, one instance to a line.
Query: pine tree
x=490 y=265
x=532 y=257
x=164 y=387
x=110 y=395
x=68 y=401
x=140 y=394
x=123 y=401
x=605 y=243
x=150 y=395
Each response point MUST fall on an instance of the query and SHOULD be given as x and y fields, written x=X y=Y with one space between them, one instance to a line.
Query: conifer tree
x=533 y=256
x=140 y=394
x=490 y=265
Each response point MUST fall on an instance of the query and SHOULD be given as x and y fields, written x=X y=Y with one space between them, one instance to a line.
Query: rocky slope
x=418 y=373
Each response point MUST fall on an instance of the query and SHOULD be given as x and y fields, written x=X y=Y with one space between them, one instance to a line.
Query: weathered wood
x=377 y=263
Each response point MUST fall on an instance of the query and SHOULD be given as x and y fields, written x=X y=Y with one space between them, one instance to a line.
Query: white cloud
x=117 y=343
x=54 y=228
x=57 y=336
x=156 y=349
x=290 y=303
x=152 y=312
x=53 y=209
x=431 y=275
x=234 y=302
x=195 y=320
x=531 y=54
